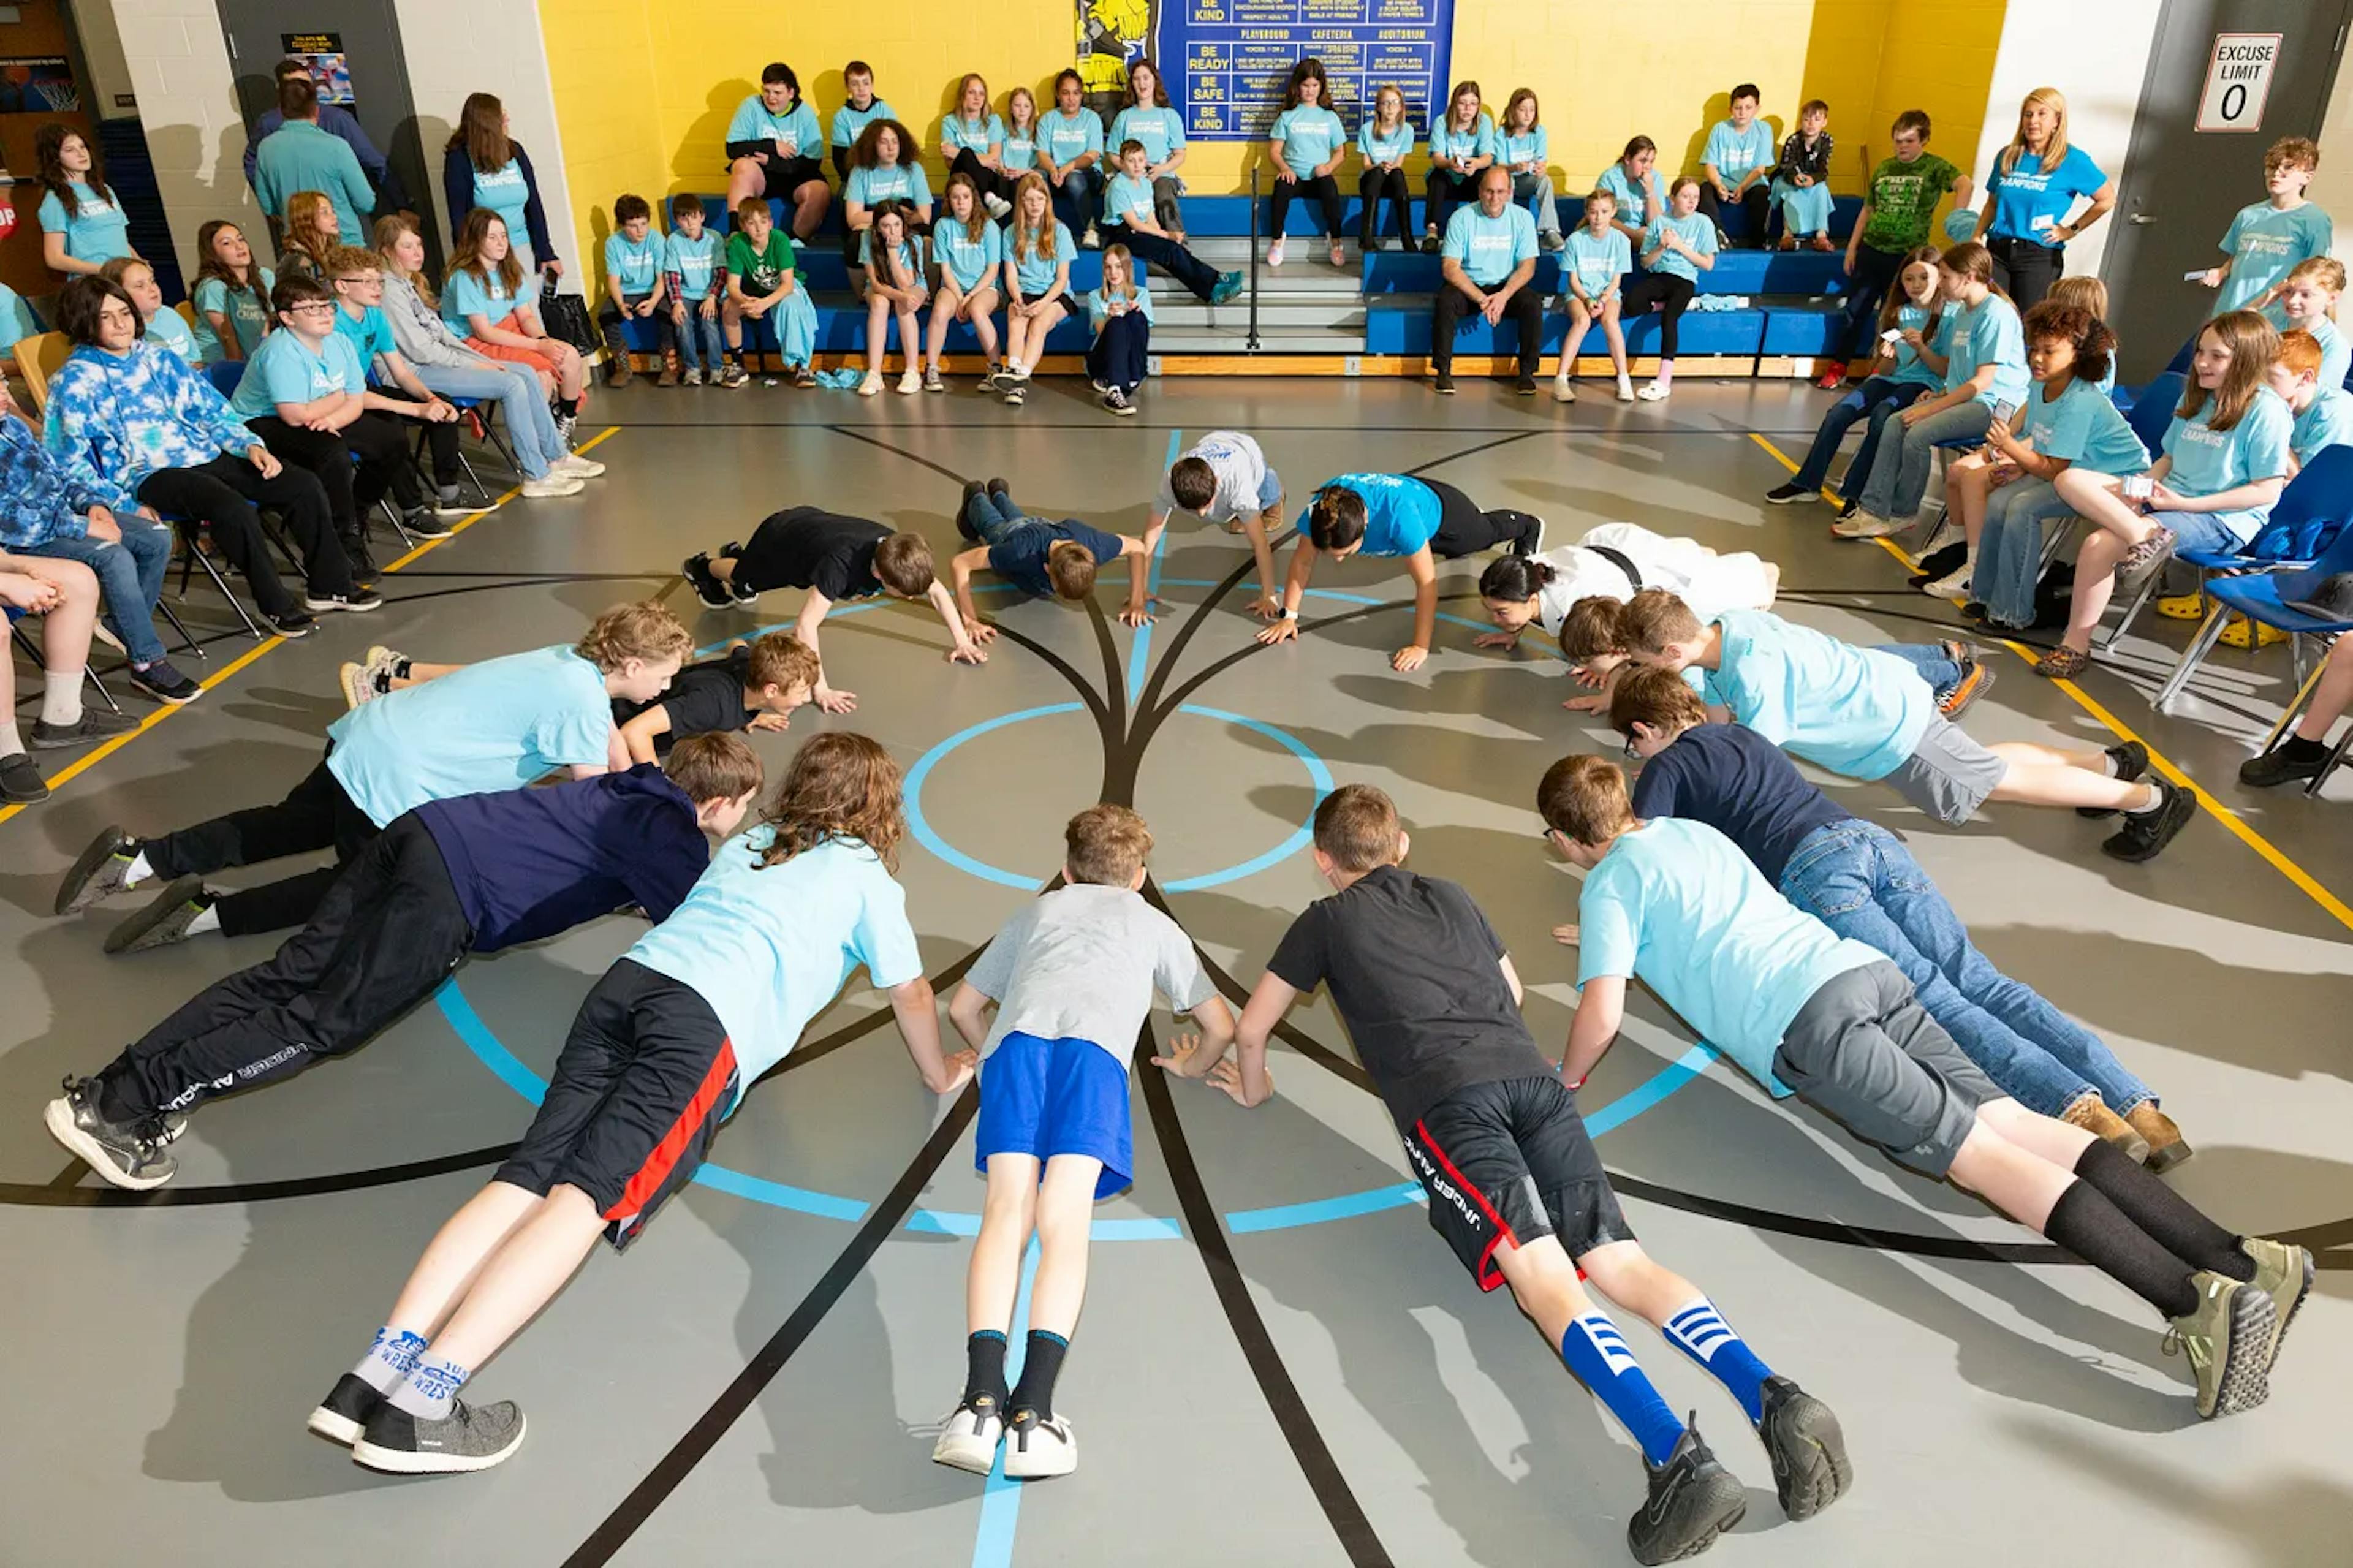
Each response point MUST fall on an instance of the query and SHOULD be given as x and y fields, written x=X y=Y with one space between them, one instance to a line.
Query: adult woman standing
x=82 y=226
x=2032 y=188
x=483 y=166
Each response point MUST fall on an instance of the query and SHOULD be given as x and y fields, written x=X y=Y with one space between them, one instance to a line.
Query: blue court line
x=1139 y=651
x=1000 y=1498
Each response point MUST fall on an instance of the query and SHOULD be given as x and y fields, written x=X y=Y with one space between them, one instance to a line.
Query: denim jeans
x=516 y=389
x=1875 y=273
x=1862 y=883
x=1877 y=400
x=993 y=518
x=1941 y=673
x=2009 y=549
x=130 y=580
x=1899 y=470
x=1076 y=199
x=700 y=346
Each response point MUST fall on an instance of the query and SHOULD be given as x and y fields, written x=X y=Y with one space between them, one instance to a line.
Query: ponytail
x=1515 y=579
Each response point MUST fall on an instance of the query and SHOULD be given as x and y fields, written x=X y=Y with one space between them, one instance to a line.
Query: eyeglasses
x=363 y=280
x=1630 y=748
x=312 y=308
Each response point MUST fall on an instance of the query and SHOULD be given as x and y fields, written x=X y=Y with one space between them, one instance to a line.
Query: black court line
x=1474 y=451
x=885 y=446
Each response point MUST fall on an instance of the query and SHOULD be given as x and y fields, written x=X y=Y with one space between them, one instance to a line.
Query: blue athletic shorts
x=1046 y=1098
x=1270 y=490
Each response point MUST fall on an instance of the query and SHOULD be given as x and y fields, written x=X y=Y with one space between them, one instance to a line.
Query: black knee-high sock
x=1041 y=1363
x=2164 y=1214
x=984 y=1374
x=2087 y=1225
x=567 y=406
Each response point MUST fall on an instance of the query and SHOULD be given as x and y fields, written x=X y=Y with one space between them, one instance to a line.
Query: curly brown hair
x=644 y=630
x=841 y=785
x=782 y=660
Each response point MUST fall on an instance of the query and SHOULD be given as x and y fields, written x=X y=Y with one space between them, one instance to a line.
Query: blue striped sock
x=1601 y=1361
x=1699 y=1331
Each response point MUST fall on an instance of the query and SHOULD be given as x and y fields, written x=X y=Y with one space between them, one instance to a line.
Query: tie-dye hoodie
x=116 y=418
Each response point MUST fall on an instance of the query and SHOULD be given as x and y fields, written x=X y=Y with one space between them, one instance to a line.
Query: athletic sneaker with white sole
x=968 y=1440
x=558 y=482
x=2228 y=1338
x=1953 y=584
x=1868 y=525
x=2283 y=1272
x=471 y=1437
x=127 y=1155
x=579 y=467
x=1037 y=1450
x=342 y=1416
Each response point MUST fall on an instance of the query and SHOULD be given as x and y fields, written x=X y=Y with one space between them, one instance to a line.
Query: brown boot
x=617 y=352
x=670 y=370
x=2094 y=1117
x=2167 y=1147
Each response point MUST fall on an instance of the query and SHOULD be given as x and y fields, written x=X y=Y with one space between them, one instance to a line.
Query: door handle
x=2138 y=219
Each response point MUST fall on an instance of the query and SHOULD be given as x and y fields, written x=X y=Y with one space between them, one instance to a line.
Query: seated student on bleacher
x=1523 y=148
x=1019 y=156
x=1384 y=141
x=82 y=224
x=1129 y=209
x=356 y=277
x=2323 y=409
x=1307 y=146
x=883 y=168
x=65 y=595
x=1596 y=259
x=859 y=110
x=1616 y=561
x=1914 y=328
x=1226 y=479
x=773 y=148
x=2303 y=751
x=232 y=294
x=763 y=284
x=968 y=254
x=1397 y=517
x=300 y=156
x=1737 y=166
x=1897 y=213
x=2035 y=183
x=2306 y=301
x=692 y=266
x=1044 y=560
x=486 y=303
x=1489 y=270
x=1038 y=250
x=1120 y=312
x=972 y=140
x=635 y=285
x=2226 y=459
x=1985 y=376
x=1801 y=179
x=893 y=258
x=2268 y=238
x=309 y=230
x=1634 y=181
x=1070 y=158
x=1147 y=119
x=1679 y=245
x=1462 y=146
x=165 y=329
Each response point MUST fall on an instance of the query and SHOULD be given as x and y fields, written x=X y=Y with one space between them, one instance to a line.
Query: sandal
x=2146 y=557
x=2062 y=662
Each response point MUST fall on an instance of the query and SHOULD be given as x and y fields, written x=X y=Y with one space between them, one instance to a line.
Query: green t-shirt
x=1903 y=198
x=762 y=271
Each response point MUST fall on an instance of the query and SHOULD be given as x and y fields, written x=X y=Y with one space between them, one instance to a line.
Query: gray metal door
x=2181 y=184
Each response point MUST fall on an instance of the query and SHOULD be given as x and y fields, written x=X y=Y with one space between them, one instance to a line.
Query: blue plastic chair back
x=224 y=374
x=2311 y=512
x=2338 y=558
x=2152 y=411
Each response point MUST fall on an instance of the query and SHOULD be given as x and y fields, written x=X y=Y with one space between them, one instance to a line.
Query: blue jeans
x=1862 y=883
x=2009 y=549
x=1877 y=400
x=130 y=580
x=698 y=344
x=1941 y=673
x=1899 y=470
x=1076 y=198
x=993 y=519
x=516 y=389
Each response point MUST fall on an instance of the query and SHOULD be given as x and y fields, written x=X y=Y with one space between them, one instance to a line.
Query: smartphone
x=547 y=285
x=2136 y=487
x=2199 y=276
x=2005 y=412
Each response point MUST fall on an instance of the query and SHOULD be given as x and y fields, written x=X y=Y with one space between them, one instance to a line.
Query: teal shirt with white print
x=1391 y=146
x=1988 y=333
x=634 y=264
x=1633 y=200
x=2082 y=426
x=285 y=369
x=2264 y=244
x=1911 y=370
x=1598 y=262
x=1490 y=248
x=968 y=262
x=1309 y=137
x=1697 y=231
x=958 y=134
x=754 y=122
x=1020 y=148
x=1734 y=151
x=1447 y=143
x=1098 y=303
x=1533 y=145
x=2207 y=462
x=1855 y=711
x=1069 y=137
x=850 y=124
x=1162 y=131
x=1034 y=270
x=1128 y=197
x=2326 y=421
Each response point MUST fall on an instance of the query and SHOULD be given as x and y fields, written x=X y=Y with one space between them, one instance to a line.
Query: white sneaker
x=1652 y=392
x=1625 y=389
x=1561 y=391
x=1864 y=525
x=871 y=386
x=1091 y=240
x=1274 y=254
x=1953 y=584
x=1035 y=1449
x=997 y=206
x=910 y=381
x=968 y=1440
x=578 y=467
x=559 y=482
x=1948 y=532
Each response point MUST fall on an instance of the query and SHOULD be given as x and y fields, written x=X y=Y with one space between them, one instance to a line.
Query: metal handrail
x=1249 y=344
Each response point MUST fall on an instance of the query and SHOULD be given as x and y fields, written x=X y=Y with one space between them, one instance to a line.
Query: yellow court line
x=2305 y=881
x=105 y=749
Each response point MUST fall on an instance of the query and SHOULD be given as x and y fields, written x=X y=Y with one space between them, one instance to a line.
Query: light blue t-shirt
x=798 y=125
x=2336 y=348
x=170 y=329
x=1097 y=315
x=634 y=264
x=465 y=295
x=1162 y=131
x=694 y=261
x=2028 y=203
x=1490 y=248
x=1676 y=905
x=1633 y=200
x=284 y=369
x=2084 y=427
x=1035 y=271
x=1911 y=370
x=1735 y=152
x=2207 y=462
x=1021 y=148
x=248 y=311
x=1308 y=136
x=850 y=124
x=504 y=190
x=1522 y=146
x=1069 y=137
x=2264 y=244
x=2326 y=421
x=1988 y=334
x=1127 y=197
x=95 y=232
x=909 y=258
x=16 y=321
x=967 y=261
x=770 y=947
x=895 y=181
x=1447 y=143
x=1598 y=264
x=368 y=333
x=957 y=133
x=1402 y=514
x=499 y=724
x=1391 y=146
x=1697 y=232
x=1854 y=710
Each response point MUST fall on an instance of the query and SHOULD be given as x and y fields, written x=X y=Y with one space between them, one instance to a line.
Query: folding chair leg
x=2055 y=543
x=2203 y=644
x=2289 y=714
x=221 y=582
x=392 y=514
x=466 y=466
x=2132 y=611
x=179 y=628
x=2335 y=759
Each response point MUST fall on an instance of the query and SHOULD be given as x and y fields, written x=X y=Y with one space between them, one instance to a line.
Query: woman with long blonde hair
x=2034 y=185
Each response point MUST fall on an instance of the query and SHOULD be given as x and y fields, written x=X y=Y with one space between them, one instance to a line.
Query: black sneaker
x=99 y=873
x=357 y=600
x=165 y=684
x=1118 y=402
x=1692 y=1500
x=1849 y=506
x=92 y=726
x=342 y=1416
x=163 y=922
x=1443 y=383
x=424 y=522
x=1791 y=493
x=1430 y=243
x=468 y=1438
x=2132 y=761
x=1810 y=1464
x=1526 y=386
x=708 y=591
x=446 y=503
x=291 y=623
x=128 y=1154
x=362 y=560
x=2143 y=835
x=2294 y=758
x=21 y=783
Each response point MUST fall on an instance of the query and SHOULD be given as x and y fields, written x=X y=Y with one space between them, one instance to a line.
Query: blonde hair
x=1127 y=262
x=1654 y=619
x=1037 y=236
x=2054 y=152
x=644 y=630
x=2253 y=344
x=1387 y=90
x=388 y=230
x=2325 y=270
x=2082 y=291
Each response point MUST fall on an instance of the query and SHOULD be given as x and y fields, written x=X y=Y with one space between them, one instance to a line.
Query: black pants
x=1525 y=308
x=2025 y=270
x=1324 y=188
x=1662 y=288
x=441 y=440
x=224 y=494
x=779 y=177
x=1464 y=530
x=1443 y=190
x=988 y=181
x=1372 y=188
x=388 y=931
x=352 y=491
x=1875 y=273
x=1757 y=200
x=1117 y=358
x=609 y=321
x=1173 y=259
x=1078 y=200
x=315 y=815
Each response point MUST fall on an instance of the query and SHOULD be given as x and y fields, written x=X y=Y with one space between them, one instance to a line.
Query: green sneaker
x=2227 y=1337
x=2284 y=1273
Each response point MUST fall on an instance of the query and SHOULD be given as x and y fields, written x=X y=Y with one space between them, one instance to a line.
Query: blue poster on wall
x=1228 y=60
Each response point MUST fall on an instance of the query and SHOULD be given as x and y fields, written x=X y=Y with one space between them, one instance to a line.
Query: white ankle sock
x=140 y=870
x=11 y=742
x=2155 y=799
x=2108 y=764
x=61 y=696
x=207 y=918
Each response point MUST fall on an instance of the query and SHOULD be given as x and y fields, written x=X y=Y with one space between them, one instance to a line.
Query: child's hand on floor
x=1409 y=658
x=1138 y=616
x=1281 y=631
x=829 y=700
x=1186 y=1058
x=1494 y=640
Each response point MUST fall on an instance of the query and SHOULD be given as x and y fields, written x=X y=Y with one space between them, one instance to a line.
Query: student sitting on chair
x=2302 y=752
x=165 y=328
x=2323 y=409
x=232 y=296
x=1915 y=329
x=65 y=594
x=1043 y=560
x=394 y=387
x=2307 y=302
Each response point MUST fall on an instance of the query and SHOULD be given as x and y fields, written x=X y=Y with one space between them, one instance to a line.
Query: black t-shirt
x=1741 y=785
x=703 y=700
x=805 y=547
x=1413 y=967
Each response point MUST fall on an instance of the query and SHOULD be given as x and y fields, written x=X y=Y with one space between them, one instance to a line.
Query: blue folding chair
x=224 y=375
x=486 y=413
x=2260 y=595
x=17 y=636
x=2151 y=413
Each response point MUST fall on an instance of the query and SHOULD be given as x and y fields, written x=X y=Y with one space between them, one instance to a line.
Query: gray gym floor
x=1278 y=1365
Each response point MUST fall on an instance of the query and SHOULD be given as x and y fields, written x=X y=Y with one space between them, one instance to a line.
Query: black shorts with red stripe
x=647 y=1076
x=1508 y=1161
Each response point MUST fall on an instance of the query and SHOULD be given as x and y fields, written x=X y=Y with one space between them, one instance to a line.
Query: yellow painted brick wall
x=1940 y=58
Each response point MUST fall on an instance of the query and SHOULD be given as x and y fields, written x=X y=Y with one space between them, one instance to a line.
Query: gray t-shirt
x=1241 y=469
x=1082 y=962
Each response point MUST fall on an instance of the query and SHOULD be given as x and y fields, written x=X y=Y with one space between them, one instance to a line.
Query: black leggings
x=224 y=494
x=1443 y=190
x=352 y=491
x=1875 y=273
x=315 y=815
x=1757 y=200
x=441 y=439
x=1525 y=308
x=1464 y=530
x=1324 y=188
x=1371 y=188
x=1659 y=289
x=988 y=181
x=2025 y=270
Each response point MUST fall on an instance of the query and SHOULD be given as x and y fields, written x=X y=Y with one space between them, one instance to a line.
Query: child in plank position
x=1421 y=520
x=835 y=558
x=1803 y=1011
x=1432 y=1004
x=476 y=873
x=1859 y=879
x=1616 y=561
x=1224 y=477
x=657 y=1059
x=1864 y=714
x=495 y=725
x=1073 y=975
x=1044 y=560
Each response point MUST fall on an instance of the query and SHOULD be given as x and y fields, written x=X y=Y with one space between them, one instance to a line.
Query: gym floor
x=1279 y=1363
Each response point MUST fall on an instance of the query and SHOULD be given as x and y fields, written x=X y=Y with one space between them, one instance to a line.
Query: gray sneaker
x=99 y=873
x=342 y=1416
x=163 y=922
x=94 y=725
x=468 y=1438
x=2229 y=1338
x=126 y=1155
